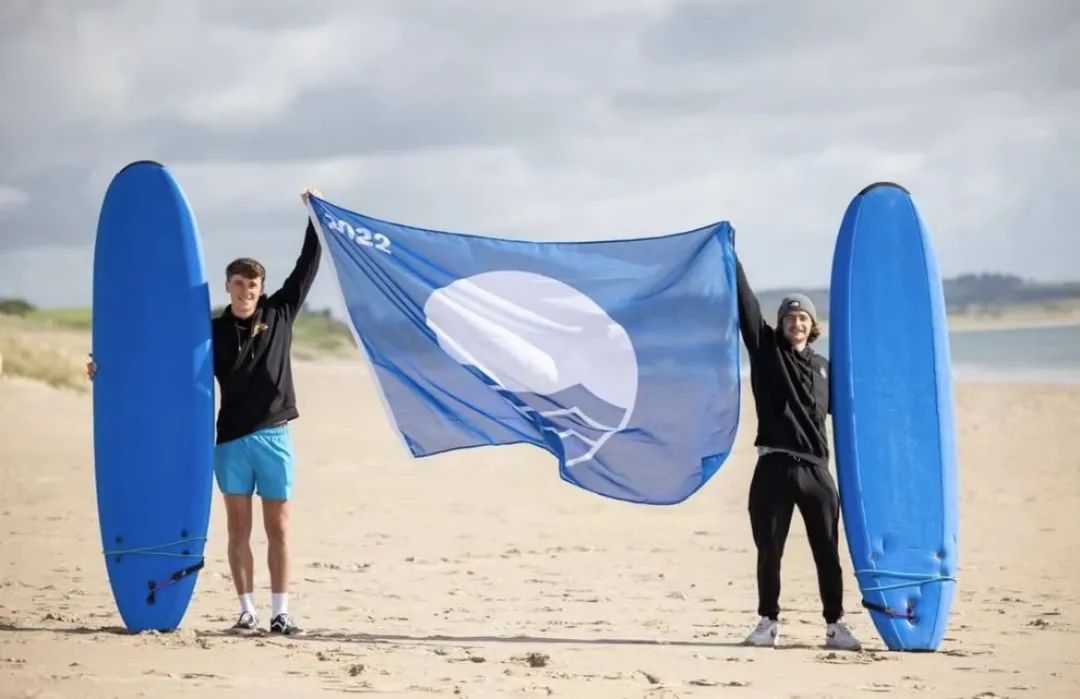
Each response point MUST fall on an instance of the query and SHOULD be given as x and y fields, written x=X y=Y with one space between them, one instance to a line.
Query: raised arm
x=751 y=322
x=292 y=293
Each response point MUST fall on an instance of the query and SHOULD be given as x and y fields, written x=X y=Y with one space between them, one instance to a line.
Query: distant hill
x=967 y=293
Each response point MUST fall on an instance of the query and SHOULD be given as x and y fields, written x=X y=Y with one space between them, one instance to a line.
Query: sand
x=480 y=573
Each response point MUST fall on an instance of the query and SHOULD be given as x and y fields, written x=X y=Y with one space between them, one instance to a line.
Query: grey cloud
x=736 y=32
x=434 y=98
x=262 y=15
x=853 y=55
x=552 y=120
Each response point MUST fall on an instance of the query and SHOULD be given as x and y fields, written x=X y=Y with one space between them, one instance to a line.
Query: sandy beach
x=480 y=573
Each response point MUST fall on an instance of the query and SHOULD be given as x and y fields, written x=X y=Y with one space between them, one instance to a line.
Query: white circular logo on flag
x=549 y=345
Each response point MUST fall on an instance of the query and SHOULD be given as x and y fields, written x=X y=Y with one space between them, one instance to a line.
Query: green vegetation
x=15 y=307
x=69 y=318
x=73 y=318
x=318 y=334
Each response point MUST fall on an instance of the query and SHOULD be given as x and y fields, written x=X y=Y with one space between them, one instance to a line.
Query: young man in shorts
x=252 y=340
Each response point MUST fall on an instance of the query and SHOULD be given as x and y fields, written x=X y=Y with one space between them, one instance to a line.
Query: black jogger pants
x=782 y=482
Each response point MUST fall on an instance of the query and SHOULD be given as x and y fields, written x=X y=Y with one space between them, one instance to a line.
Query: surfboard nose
x=883 y=185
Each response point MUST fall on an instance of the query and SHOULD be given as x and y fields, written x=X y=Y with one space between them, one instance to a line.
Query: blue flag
x=621 y=358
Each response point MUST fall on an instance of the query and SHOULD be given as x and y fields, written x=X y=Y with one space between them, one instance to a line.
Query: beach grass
x=34 y=350
x=316 y=335
x=67 y=318
x=53 y=345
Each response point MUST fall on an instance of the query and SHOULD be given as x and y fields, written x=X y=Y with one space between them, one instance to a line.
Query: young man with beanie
x=790 y=383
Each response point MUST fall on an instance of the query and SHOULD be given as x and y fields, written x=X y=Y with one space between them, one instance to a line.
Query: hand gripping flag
x=621 y=357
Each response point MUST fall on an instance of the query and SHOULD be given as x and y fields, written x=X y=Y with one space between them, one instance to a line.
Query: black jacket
x=251 y=357
x=791 y=389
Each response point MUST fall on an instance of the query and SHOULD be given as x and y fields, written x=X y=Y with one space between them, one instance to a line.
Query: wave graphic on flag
x=618 y=357
x=542 y=345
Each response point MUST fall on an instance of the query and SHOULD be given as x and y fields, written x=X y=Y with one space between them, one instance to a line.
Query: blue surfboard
x=893 y=417
x=153 y=396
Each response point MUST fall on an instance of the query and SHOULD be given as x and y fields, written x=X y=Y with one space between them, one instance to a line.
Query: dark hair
x=246 y=268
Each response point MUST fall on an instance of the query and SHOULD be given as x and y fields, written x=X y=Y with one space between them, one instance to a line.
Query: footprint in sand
x=850 y=658
x=710 y=683
x=533 y=659
x=652 y=679
x=878 y=687
x=954 y=653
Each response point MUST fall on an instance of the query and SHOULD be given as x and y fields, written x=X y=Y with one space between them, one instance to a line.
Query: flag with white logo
x=620 y=358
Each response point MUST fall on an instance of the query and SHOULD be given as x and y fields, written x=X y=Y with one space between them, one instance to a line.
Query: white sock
x=247 y=603
x=280 y=602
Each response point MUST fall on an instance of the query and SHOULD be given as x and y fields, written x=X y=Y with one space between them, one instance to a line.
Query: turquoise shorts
x=262 y=460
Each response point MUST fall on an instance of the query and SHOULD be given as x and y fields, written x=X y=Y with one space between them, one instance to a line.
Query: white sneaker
x=765 y=634
x=839 y=637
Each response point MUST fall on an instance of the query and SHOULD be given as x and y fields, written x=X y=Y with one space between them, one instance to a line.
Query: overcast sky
x=583 y=119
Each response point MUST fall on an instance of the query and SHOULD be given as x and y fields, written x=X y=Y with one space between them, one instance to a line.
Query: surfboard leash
x=908 y=614
x=913 y=580
x=157 y=585
x=156 y=549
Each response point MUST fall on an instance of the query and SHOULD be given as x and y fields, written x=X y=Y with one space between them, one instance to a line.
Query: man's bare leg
x=241 y=561
x=276 y=522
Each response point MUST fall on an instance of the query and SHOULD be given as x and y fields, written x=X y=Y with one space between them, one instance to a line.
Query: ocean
x=1046 y=354
x=1049 y=354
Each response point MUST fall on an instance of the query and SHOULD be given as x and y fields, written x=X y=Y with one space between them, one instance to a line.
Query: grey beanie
x=796 y=302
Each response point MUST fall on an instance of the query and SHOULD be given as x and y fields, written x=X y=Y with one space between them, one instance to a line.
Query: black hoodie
x=791 y=388
x=251 y=356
